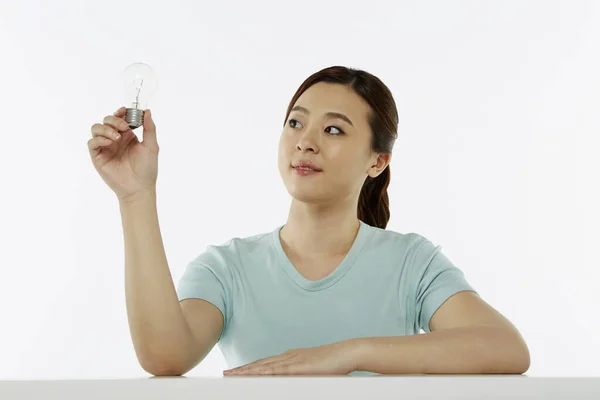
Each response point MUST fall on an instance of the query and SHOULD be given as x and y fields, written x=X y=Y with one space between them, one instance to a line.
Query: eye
x=335 y=127
x=331 y=126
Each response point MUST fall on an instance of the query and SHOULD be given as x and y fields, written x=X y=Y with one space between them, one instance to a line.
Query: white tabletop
x=380 y=387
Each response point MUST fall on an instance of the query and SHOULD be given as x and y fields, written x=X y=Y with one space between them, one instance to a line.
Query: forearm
x=464 y=350
x=160 y=333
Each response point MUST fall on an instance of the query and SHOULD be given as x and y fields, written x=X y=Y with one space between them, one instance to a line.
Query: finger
x=115 y=122
x=240 y=368
x=149 y=128
x=106 y=131
x=98 y=142
x=120 y=112
x=272 y=368
x=256 y=364
x=252 y=364
x=287 y=367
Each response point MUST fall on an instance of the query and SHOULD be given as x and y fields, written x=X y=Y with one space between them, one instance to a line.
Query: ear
x=380 y=163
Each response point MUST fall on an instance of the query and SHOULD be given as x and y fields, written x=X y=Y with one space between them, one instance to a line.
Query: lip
x=305 y=172
x=306 y=164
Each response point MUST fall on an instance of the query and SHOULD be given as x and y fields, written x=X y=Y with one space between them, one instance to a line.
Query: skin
x=322 y=221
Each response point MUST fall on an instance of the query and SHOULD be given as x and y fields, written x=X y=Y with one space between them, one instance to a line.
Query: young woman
x=328 y=292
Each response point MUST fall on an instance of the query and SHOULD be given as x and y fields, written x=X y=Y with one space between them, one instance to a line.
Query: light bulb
x=139 y=84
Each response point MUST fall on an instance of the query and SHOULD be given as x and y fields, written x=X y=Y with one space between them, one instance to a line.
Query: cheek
x=283 y=154
x=286 y=147
x=350 y=169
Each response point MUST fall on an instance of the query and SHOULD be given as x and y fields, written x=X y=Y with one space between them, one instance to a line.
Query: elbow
x=523 y=360
x=161 y=367
x=523 y=356
x=518 y=366
x=514 y=353
x=163 y=370
x=166 y=373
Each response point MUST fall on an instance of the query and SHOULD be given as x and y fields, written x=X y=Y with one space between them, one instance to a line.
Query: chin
x=307 y=199
x=306 y=193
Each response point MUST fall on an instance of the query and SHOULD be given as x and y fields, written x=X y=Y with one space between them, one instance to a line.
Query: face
x=340 y=148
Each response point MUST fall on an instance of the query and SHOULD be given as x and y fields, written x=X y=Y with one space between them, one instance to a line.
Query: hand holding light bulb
x=129 y=167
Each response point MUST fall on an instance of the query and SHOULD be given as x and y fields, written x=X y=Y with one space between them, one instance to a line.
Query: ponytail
x=373 y=201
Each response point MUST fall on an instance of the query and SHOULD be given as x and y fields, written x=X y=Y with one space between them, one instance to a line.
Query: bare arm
x=169 y=337
x=467 y=336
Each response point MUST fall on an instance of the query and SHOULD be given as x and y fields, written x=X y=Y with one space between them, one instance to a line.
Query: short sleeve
x=438 y=280
x=207 y=282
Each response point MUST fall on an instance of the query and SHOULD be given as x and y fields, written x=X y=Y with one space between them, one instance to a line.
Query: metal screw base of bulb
x=134 y=117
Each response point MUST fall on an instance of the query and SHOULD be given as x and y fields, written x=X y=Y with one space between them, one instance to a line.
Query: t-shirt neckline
x=337 y=274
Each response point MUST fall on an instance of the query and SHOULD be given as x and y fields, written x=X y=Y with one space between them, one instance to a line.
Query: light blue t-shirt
x=389 y=284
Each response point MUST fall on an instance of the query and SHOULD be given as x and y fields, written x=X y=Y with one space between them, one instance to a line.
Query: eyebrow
x=329 y=114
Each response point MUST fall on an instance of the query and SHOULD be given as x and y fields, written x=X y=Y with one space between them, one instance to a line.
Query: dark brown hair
x=373 y=202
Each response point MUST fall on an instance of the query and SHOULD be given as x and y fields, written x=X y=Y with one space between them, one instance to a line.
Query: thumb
x=149 y=128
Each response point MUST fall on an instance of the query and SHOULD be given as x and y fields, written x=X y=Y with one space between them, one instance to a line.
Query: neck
x=314 y=230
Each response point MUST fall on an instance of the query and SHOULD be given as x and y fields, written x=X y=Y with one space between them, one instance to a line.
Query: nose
x=305 y=147
x=307 y=141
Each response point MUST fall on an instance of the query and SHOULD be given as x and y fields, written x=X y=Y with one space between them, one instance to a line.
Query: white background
x=496 y=161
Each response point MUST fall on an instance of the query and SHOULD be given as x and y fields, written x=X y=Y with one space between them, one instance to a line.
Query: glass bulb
x=139 y=84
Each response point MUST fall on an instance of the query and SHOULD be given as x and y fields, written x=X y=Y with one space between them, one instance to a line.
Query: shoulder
x=413 y=253
x=228 y=254
x=399 y=243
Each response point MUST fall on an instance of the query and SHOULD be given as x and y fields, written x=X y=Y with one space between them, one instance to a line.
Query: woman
x=330 y=291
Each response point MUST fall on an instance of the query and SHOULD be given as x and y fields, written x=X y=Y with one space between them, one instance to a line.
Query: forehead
x=323 y=97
